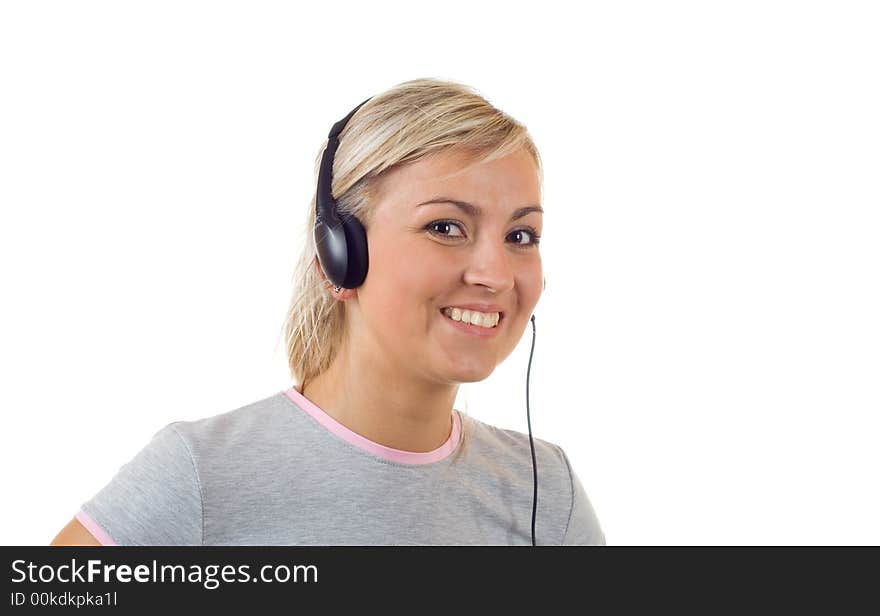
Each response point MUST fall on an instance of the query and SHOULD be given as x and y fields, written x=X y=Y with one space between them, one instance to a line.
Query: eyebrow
x=476 y=212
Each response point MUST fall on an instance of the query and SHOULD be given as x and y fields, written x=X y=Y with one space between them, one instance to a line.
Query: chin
x=473 y=374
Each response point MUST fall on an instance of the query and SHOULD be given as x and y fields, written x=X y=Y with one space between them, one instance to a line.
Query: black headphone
x=342 y=251
x=341 y=240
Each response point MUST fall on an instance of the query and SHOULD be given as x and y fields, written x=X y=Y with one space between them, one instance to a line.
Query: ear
x=343 y=294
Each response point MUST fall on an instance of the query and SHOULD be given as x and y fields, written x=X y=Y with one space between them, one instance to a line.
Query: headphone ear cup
x=358 y=253
x=332 y=248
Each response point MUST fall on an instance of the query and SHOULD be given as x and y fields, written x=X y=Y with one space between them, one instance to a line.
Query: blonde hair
x=400 y=126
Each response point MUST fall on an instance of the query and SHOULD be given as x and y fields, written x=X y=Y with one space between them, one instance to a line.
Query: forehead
x=506 y=183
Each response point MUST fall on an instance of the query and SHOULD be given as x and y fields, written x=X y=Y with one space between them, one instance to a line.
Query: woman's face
x=424 y=258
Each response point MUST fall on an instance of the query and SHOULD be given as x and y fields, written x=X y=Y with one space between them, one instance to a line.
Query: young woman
x=367 y=448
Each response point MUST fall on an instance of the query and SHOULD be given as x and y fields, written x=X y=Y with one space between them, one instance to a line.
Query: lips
x=475 y=330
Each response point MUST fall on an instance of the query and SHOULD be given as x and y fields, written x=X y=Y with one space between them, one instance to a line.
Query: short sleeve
x=583 y=525
x=154 y=499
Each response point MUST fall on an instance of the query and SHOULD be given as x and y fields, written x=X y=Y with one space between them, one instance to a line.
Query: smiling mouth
x=447 y=313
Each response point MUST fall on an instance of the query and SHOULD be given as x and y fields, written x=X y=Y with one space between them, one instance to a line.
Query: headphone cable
x=531 y=442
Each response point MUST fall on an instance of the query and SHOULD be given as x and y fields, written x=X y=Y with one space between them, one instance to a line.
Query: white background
x=707 y=347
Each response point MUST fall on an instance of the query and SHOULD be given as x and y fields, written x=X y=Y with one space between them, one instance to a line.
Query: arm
x=74 y=534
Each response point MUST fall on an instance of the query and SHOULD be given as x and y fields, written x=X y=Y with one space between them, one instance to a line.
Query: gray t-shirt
x=281 y=471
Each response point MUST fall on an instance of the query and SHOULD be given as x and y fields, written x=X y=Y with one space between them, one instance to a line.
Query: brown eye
x=534 y=241
x=443 y=224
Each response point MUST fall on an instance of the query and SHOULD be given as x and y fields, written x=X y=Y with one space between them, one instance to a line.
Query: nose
x=490 y=266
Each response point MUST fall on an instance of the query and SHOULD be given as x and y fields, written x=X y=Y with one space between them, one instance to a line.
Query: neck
x=384 y=404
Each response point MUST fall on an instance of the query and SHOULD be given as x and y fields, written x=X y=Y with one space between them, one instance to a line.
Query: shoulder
x=509 y=444
x=239 y=428
x=507 y=453
x=158 y=497
x=503 y=448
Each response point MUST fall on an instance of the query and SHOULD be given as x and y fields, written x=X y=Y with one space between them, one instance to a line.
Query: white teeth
x=473 y=317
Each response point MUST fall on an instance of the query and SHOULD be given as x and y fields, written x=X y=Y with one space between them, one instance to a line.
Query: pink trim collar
x=371 y=447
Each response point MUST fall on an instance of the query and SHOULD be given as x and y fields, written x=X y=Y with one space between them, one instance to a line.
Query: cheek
x=531 y=284
x=402 y=283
